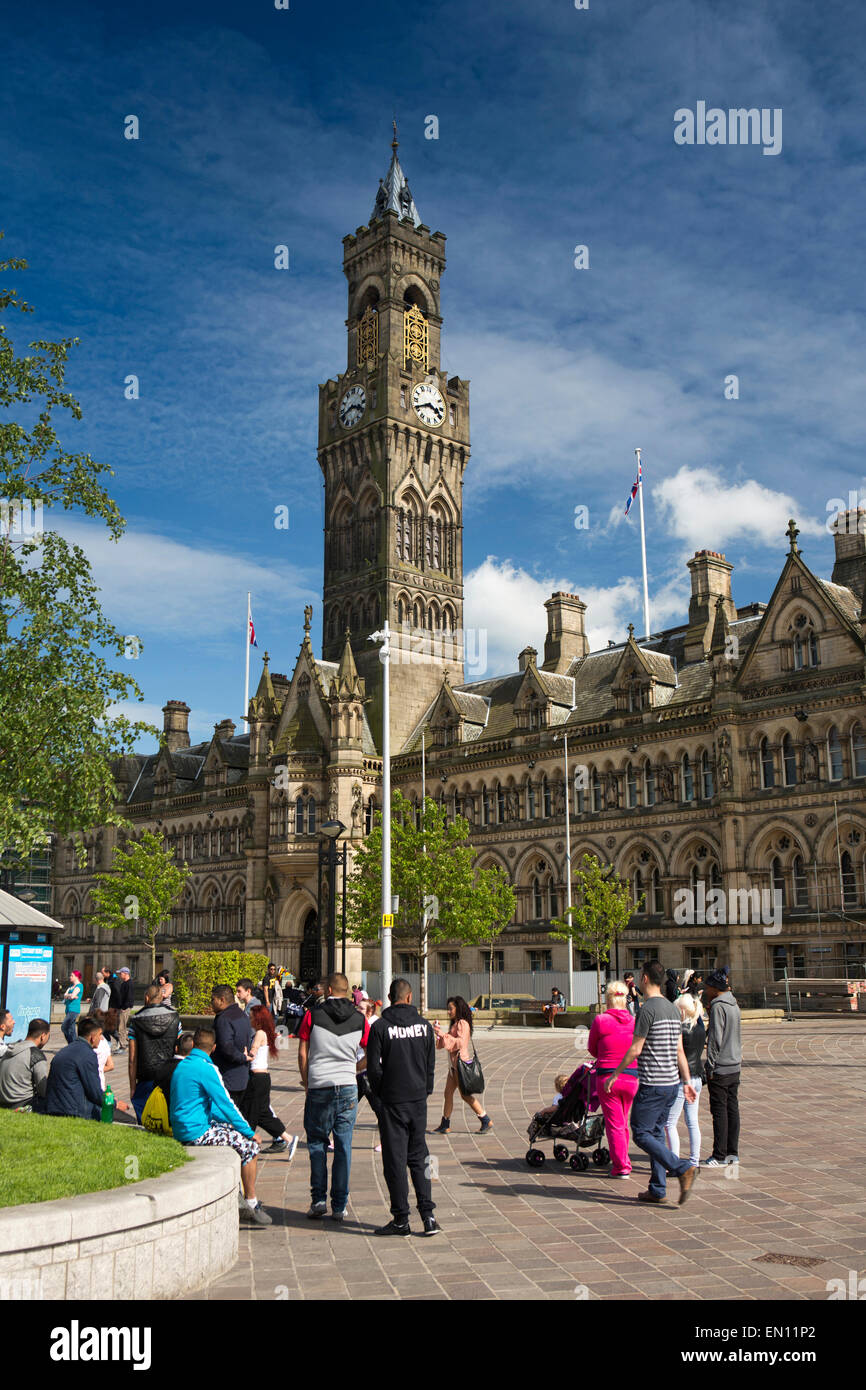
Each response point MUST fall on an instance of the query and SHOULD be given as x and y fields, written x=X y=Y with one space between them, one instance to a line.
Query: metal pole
x=343 y=948
x=646 y=621
x=385 y=658
x=247 y=677
x=426 y=983
x=788 y=996
x=839 y=857
x=332 y=907
x=568 y=873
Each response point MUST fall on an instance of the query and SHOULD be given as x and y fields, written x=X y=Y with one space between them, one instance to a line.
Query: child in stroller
x=570 y=1121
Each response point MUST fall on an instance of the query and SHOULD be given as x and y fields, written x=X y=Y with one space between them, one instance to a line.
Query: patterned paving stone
x=511 y=1232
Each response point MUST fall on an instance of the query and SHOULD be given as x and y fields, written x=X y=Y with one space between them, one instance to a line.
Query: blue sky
x=261 y=126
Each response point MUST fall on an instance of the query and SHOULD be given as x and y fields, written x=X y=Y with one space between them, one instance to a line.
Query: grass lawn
x=43 y=1157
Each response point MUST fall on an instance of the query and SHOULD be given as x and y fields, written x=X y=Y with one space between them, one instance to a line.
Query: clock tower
x=393 y=447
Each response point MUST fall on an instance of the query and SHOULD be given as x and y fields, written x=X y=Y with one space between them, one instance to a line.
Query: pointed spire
x=265 y=689
x=394 y=194
x=347 y=684
x=631 y=632
x=721 y=630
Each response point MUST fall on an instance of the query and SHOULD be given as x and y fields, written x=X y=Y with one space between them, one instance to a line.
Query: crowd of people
x=659 y=1041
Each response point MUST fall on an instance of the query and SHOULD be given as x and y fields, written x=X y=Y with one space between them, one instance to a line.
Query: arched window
x=369 y=815
x=500 y=805
x=311 y=816
x=789 y=761
x=554 y=899
x=636 y=890
x=654 y=898
x=708 y=789
x=688 y=779
x=631 y=786
x=834 y=755
x=858 y=751
x=485 y=806
x=595 y=790
x=299 y=816
x=649 y=784
x=768 y=768
x=778 y=878
x=546 y=798
x=532 y=808
x=801 y=883
x=849 y=881
x=537 y=898
x=580 y=797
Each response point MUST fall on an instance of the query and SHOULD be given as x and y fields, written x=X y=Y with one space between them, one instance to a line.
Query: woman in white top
x=257 y=1101
x=104 y=1059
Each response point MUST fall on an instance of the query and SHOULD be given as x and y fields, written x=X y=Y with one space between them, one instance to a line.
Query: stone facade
x=725 y=756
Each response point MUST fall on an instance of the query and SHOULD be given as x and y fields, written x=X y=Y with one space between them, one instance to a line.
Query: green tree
x=432 y=860
x=142 y=887
x=495 y=902
x=57 y=734
x=601 y=910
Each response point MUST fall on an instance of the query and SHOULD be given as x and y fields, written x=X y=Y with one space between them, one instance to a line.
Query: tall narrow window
x=688 y=779
x=637 y=890
x=548 y=805
x=537 y=899
x=485 y=807
x=768 y=770
x=649 y=784
x=655 y=894
x=801 y=883
x=299 y=816
x=858 y=751
x=778 y=880
x=595 y=790
x=500 y=805
x=532 y=809
x=834 y=754
x=849 y=881
x=707 y=788
x=789 y=761
x=631 y=785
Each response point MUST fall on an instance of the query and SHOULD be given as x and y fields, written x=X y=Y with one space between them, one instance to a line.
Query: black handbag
x=470 y=1077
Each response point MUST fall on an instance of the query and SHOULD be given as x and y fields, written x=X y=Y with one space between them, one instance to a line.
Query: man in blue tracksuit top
x=203 y=1113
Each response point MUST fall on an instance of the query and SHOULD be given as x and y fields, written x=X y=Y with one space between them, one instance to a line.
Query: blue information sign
x=28 y=985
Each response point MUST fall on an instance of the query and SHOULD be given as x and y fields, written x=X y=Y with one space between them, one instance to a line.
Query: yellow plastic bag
x=155 y=1114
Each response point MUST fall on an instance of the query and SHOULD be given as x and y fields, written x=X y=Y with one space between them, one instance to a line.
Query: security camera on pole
x=384 y=637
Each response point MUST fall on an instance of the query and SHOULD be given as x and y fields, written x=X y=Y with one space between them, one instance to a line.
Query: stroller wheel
x=603 y=1156
x=560 y=1153
x=534 y=1157
x=599 y=1157
x=578 y=1162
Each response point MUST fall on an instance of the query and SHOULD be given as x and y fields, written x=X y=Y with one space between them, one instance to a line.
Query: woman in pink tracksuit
x=610 y=1037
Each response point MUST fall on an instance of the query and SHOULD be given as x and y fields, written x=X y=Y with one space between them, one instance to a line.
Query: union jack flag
x=634 y=489
x=253 y=642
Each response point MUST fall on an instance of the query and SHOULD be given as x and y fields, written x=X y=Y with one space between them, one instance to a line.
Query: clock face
x=428 y=403
x=352 y=406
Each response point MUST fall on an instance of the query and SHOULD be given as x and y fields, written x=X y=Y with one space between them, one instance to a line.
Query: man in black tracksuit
x=401 y=1062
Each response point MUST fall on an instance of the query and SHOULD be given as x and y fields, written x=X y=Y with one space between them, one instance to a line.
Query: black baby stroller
x=571 y=1123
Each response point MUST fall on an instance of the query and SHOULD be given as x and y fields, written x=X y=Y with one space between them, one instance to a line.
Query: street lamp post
x=328 y=856
x=384 y=638
x=568 y=869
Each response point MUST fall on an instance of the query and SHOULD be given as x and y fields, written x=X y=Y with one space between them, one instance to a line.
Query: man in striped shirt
x=661 y=1061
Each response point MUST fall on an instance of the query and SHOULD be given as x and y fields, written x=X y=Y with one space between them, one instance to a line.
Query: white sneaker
x=716 y=1163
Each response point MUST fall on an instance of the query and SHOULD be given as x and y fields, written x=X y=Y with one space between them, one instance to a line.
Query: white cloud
x=153 y=585
x=508 y=604
x=696 y=505
x=201 y=723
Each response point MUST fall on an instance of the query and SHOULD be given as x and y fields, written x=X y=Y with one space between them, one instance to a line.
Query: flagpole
x=247 y=677
x=646 y=621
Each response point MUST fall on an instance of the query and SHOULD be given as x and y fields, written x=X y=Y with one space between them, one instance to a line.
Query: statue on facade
x=512 y=804
x=357 y=806
x=811 y=764
x=665 y=778
x=724 y=760
x=611 y=791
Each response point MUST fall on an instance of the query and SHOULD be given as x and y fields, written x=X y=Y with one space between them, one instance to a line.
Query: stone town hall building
x=728 y=752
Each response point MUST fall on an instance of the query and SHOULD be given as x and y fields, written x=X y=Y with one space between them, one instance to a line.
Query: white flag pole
x=646 y=620
x=247 y=677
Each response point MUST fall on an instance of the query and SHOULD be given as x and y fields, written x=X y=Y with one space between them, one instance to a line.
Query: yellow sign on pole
x=387 y=919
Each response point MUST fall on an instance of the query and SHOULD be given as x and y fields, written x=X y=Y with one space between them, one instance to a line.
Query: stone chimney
x=225 y=729
x=566 y=639
x=528 y=654
x=175 y=725
x=849 y=538
x=711 y=581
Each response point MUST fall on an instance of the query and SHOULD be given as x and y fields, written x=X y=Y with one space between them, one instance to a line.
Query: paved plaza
x=549 y=1233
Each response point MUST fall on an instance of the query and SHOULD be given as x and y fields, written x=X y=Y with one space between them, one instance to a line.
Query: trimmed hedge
x=197 y=972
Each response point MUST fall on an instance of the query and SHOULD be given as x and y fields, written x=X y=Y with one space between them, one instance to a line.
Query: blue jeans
x=650 y=1110
x=330 y=1110
x=69 y=1027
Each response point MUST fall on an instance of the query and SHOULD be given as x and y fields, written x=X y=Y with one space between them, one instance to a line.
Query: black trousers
x=404 y=1147
x=256 y=1107
x=725 y=1110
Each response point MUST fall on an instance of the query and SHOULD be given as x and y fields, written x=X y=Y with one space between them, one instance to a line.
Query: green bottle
x=107 y=1115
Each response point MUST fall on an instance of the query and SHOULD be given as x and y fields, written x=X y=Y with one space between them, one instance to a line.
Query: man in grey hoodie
x=24 y=1068
x=724 y=1060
